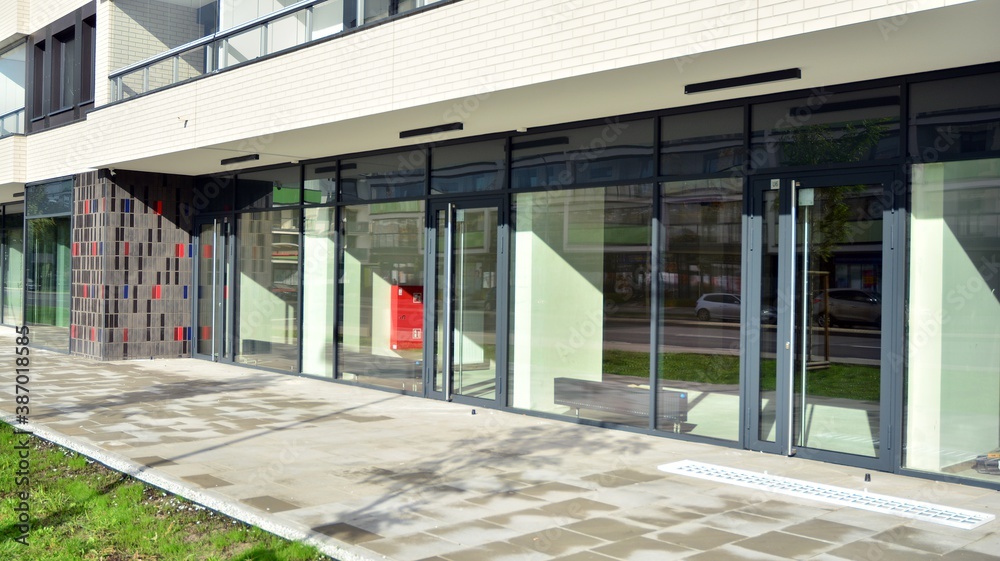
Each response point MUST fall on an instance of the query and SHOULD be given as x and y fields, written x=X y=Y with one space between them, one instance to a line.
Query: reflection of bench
x=671 y=406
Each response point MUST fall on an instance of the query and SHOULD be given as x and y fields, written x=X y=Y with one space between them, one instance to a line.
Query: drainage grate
x=958 y=518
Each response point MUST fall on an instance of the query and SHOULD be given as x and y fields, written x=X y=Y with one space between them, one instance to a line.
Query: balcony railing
x=12 y=123
x=278 y=31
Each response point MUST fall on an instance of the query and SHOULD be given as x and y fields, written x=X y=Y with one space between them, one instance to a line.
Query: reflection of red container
x=407 y=329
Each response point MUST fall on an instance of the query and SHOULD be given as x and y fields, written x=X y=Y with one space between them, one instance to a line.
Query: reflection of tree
x=822 y=144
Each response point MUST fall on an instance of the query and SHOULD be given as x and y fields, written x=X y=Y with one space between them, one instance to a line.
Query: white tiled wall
x=12 y=160
x=459 y=50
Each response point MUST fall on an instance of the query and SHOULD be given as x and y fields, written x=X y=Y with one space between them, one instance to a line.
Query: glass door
x=213 y=303
x=823 y=250
x=467 y=275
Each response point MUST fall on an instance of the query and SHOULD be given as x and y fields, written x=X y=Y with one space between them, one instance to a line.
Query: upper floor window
x=62 y=62
x=12 y=74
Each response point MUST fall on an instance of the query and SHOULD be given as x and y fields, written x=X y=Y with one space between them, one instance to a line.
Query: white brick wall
x=450 y=53
x=12 y=160
x=44 y=12
x=14 y=20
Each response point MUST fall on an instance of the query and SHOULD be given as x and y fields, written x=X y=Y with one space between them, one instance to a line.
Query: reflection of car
x=29 y=283
x=848 y=306
x=718 y=306
x=769 y=314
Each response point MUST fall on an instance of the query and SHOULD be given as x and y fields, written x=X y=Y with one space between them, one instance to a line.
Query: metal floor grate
x=948 y=516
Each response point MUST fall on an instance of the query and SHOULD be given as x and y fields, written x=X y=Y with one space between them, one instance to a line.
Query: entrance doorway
x=819 y=378
x=213 y=303
x=466 y=299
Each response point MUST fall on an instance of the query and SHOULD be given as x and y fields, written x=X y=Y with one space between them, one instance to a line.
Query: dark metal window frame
x=46 y=77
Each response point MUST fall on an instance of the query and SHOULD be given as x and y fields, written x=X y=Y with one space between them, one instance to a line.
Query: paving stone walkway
x=370 y=475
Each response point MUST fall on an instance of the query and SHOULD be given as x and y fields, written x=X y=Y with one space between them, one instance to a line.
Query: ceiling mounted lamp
x=739 y=81
x=238 y=159
x=432 y=130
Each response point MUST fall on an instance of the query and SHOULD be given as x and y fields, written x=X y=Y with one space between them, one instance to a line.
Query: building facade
x=772 y=225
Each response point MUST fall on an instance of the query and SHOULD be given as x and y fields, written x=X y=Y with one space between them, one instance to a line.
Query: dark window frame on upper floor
x=62 y=70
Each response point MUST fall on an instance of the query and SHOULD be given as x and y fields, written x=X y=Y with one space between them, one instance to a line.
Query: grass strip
x=82 y=510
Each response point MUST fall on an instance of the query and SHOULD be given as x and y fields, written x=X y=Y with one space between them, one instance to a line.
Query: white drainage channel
x=958 y=518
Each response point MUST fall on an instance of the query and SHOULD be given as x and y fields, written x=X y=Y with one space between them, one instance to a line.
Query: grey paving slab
x=374 y=476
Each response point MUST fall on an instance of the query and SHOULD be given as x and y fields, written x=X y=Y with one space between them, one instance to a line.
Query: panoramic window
x=579 y=318
x=13 y=65
x=701 y=143
x=952 y=415
x=826 y=128
x=47 y=263
x=701 y=278
x=381 y=298
x=268 y=289
x=615 y=151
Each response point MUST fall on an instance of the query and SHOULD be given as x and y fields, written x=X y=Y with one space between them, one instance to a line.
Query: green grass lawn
x=81 y=510
x=837 y=380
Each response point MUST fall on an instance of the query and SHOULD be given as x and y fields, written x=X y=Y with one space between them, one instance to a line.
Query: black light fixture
x=19 y=194
x=238 y=159
x=762 y=78
x=432 y=130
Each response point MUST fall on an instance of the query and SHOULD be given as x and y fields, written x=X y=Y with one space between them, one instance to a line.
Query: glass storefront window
x=955 y=118
x=268 y=289
x=701 y=279
x=318 y=283
x=381 y=297
x=826 y=128
x=579 y=318
x=269 y=189
x=320 y=185
x=13 y=264
x=47 y=281
x=615 y=151
x=700 y=143
x=12 y=70
x=952 y=399
x=386 y=176
x=49 y=199
x=469 y=168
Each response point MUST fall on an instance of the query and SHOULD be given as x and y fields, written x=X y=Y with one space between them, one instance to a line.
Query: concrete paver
x=370 y=475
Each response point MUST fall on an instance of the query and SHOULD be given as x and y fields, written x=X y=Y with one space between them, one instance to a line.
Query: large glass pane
x=955 y=118
x=837 y=340
x=318 y=283
x=770 y=299
x=268 y=262
x=320 y=185
x=385 y=176
x=471 y=289
x=579 y=335
x=13 y=267
x=700 y=331
x=269 y=189
x=467 y=168
x=47 y=285
x=213 y=289
x=327 y=18
x=615 y=151
x=952 y=409
x=826 y=128
x=51 y=198
x=382 y=295
x=12 y=72
x=704 y=142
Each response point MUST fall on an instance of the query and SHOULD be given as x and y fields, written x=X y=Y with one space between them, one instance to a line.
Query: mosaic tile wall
x=132 y=266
